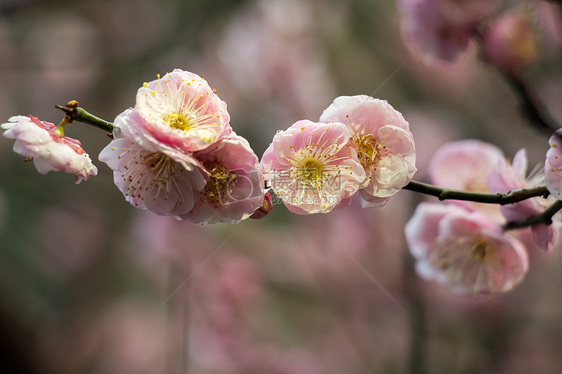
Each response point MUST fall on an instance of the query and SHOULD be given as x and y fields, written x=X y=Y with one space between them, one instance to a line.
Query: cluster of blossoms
x=360 y=145
x=462 y=244
x=175 y=154
x=442 y=29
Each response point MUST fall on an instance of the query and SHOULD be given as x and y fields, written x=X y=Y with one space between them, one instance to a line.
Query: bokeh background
x=89 y=284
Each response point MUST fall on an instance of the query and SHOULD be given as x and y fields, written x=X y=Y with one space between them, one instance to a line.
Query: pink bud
x=265 y=207
x=510 y=43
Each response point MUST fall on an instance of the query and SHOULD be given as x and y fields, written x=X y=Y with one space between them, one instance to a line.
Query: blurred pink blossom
x=478 y=159
x=385 y=145
x=275 y=42
x=181 y=110
x=465 y=251
x=485 y=169
x=313 y=167
x=152 y=175
x=553 y=165
x=441 y=28
x=235 y=186
x=510 y=42
x=49 y=149
x=465 y=11
x=513 y=176
x=425 y=30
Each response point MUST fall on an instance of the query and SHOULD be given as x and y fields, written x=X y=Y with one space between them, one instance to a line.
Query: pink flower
x=464 y=165
x=385 y=145
x=151 y=174
x=425 y=30
x=553 y=165
x=313 y=167
x=441 y=28
x=465 y=251
x=510 y=177
x=477 y=159
x=182 y=111
x=485 y=169
x=48 y=147
x=465 y=12
x=510 y=42
x=235 y=186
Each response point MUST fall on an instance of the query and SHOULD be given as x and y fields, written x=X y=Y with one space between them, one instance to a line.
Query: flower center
x=178 y=121
x=220 y=184
x=481 y=251
x=367 y=150
x=311 y=170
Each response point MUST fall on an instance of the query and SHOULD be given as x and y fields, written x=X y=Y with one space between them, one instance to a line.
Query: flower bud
x=265 y=207
x=510 y=43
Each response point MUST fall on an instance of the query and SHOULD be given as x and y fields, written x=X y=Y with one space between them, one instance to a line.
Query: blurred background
x=89 y=284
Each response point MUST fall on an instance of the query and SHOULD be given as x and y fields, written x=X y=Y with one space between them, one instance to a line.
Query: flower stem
x=531 y=107
x=76 y=113
x=544 y=218
x=510 y=197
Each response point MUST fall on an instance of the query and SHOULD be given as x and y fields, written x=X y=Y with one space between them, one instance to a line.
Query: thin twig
x=531 y=107
x=510 y=197
x=76 y=113
x=544 y=218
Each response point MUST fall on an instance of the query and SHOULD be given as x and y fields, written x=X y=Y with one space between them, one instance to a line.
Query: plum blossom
x=510 y=42
x=513 y=176
x=152 y=175
x=181 y=110
x=465 y=11
x=46 y=145
x=235 y=186
x=465 y=251
x=553 y=165
x=478 y=159
x=425 y=30
x=441 y=28
x=485 y=169
x=385 y=145
x=313 y=167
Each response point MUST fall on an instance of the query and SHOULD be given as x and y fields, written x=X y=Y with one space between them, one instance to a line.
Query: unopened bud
x=265 y=207
x=510 y=43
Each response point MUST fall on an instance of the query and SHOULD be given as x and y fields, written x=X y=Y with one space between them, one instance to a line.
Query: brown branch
x=510 y=197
